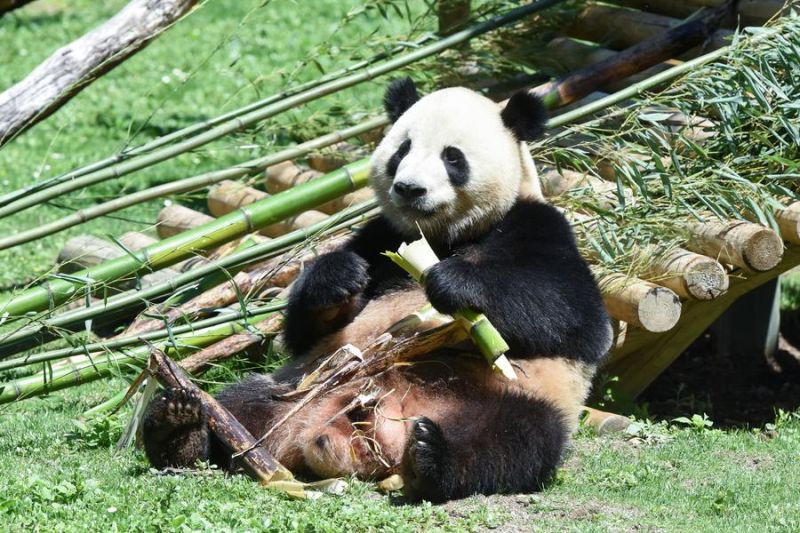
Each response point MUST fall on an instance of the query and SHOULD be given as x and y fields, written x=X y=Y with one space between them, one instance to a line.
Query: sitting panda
x=456 y=167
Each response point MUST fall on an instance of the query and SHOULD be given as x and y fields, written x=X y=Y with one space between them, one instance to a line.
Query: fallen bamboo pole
x=738 y=243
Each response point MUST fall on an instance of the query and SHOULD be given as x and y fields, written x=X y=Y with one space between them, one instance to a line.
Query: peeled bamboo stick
x=742 y=244
x=640 y=303
x=789 y=223
x=620 y=28
x=230 y=195
x=690 y=275
x=287 y=174
x=175 y=219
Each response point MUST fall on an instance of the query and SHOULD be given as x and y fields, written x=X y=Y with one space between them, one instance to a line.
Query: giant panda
x=455 y=167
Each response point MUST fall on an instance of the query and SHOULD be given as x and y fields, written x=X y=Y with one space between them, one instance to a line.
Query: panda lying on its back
x=456 y=167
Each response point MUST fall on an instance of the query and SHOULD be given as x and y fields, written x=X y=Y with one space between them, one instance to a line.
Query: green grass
x=57 y=477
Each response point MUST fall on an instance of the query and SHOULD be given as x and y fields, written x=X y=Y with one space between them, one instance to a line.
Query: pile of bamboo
x=242 y=248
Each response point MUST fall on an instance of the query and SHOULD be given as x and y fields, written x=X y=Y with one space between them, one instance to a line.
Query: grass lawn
x=59 y=476
x=56 y=477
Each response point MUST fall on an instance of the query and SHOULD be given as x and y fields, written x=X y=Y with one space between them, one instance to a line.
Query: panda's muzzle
x=409 y=192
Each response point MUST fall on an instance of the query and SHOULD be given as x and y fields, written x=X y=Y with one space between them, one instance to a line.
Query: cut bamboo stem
x=742 y=244
x=690 y=275
x=175 y=219
x=640 y=303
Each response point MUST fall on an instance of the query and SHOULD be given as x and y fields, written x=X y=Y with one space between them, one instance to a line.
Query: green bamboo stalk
x=184 y=245
x=188 y=184
x=50 y=381
x=128 y=152
x=248 y=119
x=98 y=348
x=25 y=337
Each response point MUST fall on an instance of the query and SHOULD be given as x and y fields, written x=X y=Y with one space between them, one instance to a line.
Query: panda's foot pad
x=177 y=408
x=426 y=452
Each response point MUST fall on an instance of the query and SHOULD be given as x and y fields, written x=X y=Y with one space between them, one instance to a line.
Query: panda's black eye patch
x=394 y=161
x=456 y=165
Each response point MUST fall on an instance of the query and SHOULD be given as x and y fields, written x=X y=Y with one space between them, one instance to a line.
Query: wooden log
x=642 y=356
x=73 y=67
x=571 y=55
x=742 y=244
x=256 y=460
x=789 y=223
x=640 y=303
x=605 y=423
x=689 y=275
x=557 y=182
x=748 y=12
x=136 y=240
x=658 y=48
x=619 y=28
x=453 y=15
x=335 y=156
x=175 y=219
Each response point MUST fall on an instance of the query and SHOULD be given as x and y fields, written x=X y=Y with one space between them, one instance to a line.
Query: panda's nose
x=409 y=191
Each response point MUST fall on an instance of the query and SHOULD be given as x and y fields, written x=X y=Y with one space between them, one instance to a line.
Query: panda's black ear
x=525 y=115
x=401 y=94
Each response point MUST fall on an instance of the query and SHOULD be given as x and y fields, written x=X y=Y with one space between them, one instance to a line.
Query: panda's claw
x=176 y=408
x=424 y=460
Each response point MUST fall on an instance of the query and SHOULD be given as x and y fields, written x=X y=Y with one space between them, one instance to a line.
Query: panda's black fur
x=467 y=434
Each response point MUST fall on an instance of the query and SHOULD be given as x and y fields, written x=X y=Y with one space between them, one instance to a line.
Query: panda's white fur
x=499 y=165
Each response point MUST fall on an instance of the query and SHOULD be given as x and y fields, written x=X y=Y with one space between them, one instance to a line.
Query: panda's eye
x=394 y=161
x=453 y=155
x=456 y=164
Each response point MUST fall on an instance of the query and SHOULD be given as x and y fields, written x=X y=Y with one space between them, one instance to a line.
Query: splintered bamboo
x=652 y=51
x=619 y=28
x=287 y=174
x=690 y=275
x=640 y=303
x=742 y=244
x=265 y=112
x=175 y=219
x=230 y=195
x=174 y=249
x=257 y=461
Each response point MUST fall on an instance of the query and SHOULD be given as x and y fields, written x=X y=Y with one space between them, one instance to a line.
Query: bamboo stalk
x=640 y=303
x=742 y=244
x=106 y=364
x=127 y=152
x=43 y=328
x=185 y=185
x=99 y=349
x=184 y=245
x=268 y=111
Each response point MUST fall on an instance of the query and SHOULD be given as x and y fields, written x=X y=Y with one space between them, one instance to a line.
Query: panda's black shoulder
x=538 y=223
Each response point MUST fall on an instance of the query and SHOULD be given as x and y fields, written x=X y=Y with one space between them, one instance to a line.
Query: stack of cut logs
x=690 y=286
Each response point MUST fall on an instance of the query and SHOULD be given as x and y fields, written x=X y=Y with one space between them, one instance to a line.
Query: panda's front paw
x=424 y=461
x=451 y=286
x=331 y=280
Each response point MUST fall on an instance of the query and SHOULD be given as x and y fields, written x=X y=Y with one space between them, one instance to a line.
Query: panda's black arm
x=336 y=286
x=528 y=277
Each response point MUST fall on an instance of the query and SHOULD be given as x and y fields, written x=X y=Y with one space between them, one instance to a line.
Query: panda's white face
x=448 y=165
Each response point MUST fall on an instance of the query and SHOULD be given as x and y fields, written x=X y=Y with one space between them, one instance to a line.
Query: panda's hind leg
x=175 y=429
x=491 y=443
